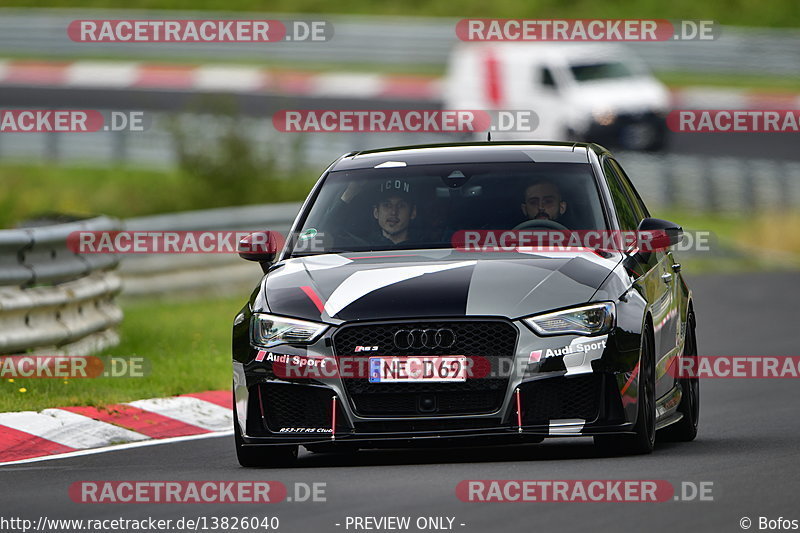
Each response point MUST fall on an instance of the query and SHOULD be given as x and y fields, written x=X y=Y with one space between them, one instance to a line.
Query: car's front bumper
x=633 y=131
x=580 y=386
x=309 y=408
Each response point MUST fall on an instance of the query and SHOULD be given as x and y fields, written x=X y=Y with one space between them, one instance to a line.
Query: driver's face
x=543 y=201
x=394 y=214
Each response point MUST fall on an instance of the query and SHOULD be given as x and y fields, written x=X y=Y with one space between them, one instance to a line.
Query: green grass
x=768 y=83
x=742 y=242
x=782 y=13
x=186 y=346
x=32 y=190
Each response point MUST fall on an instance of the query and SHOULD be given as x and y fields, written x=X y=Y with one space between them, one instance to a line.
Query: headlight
x=269 y=330
x=592 y=319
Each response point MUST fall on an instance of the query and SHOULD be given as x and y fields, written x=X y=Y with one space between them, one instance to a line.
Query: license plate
x=417 y=368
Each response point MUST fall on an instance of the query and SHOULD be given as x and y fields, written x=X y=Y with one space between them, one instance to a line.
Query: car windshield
x=601 y=71
x=420 y=207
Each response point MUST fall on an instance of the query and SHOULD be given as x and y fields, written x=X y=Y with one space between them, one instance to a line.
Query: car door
x=652 y=267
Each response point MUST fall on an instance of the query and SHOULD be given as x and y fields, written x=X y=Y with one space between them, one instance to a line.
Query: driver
x=542 y=200
x=394 y=211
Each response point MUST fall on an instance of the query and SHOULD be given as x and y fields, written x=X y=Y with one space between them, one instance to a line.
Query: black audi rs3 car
x=435 y=294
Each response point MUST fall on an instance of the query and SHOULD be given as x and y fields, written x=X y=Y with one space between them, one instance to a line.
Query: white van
x=586 y=92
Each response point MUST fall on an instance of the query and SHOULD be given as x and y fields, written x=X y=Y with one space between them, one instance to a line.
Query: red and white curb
x=215 y=78
x=252 y=79
x=28 y=435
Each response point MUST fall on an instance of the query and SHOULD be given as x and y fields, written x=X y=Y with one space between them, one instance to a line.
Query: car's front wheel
x=685 y=429
x=644 y=437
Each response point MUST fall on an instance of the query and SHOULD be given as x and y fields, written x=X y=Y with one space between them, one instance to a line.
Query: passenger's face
x=543 y=201
x=393 y=214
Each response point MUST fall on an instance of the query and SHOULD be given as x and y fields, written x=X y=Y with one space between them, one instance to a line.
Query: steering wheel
x=541 y=223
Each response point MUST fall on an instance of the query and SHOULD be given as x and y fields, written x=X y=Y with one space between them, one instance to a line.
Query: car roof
x=472 y=152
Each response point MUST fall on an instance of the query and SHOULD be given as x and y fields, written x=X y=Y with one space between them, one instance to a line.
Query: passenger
x=394 y=211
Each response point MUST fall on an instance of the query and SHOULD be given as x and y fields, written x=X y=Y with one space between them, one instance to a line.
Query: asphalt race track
x=747 y=446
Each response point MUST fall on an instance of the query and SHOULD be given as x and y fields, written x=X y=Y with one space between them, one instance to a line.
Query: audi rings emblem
x=405 y=339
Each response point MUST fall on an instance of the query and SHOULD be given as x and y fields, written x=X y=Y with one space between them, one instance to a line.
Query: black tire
x=685 y=430
x=262 y=456
x=643 y=441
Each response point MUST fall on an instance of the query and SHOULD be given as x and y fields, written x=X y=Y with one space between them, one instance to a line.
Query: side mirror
x=261 y=246
x=657 y=234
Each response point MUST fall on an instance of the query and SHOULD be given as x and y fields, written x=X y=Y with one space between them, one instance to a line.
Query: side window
x=547 y=79
x=623 y=204
x=641 y=209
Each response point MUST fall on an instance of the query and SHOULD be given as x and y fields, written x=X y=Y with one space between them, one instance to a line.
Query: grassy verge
x=32 y=190
x=186 y=346
x=765 y=83
x=740 y=242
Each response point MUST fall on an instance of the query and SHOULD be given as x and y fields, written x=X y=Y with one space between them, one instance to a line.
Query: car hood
x=622 y=95
x=410 y=284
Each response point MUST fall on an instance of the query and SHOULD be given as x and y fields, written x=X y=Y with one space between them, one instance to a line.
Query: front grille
x=561 y=397
x=493 y=341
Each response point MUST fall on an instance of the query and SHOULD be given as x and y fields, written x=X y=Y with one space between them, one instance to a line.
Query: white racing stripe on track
x=347 y=85
x=119 y=447
x=189 y=411
x=101 y=74
x=232 y=78
x=69 y=429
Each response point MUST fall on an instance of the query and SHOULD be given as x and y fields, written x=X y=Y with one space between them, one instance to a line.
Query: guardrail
x=149 y=274
x=362 y=40
x=53 y=300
